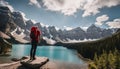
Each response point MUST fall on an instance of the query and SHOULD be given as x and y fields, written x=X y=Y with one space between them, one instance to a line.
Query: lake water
x=52 y=52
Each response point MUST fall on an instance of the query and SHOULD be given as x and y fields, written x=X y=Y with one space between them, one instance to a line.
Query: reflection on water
x=52 y=52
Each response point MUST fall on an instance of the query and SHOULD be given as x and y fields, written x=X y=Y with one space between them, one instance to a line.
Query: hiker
x=35 y=38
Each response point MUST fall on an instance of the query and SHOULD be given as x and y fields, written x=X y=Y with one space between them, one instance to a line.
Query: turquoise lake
x=52 y=52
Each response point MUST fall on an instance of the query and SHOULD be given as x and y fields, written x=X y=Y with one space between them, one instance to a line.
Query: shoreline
x=52 y=64
x=82 y=58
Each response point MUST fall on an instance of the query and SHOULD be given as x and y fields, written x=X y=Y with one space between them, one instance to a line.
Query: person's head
x=33 y=28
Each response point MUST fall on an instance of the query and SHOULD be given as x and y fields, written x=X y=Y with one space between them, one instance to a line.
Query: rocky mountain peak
x=77 y=29
x=6 y=20
x=17 y=14
x=4 y=9
x=94 y=28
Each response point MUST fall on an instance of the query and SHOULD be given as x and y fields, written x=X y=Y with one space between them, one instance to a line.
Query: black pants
x=33 y=50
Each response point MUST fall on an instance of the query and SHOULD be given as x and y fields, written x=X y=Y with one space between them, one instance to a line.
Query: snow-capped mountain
x=14 y=24
x=94 y=32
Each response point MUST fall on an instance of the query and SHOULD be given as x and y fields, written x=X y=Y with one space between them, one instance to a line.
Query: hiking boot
x=31 y=58
x=34 y=58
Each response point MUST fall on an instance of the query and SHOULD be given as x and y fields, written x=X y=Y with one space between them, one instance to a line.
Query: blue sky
x=70 y=13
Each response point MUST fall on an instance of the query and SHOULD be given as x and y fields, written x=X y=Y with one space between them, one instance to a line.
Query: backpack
x=33 y=33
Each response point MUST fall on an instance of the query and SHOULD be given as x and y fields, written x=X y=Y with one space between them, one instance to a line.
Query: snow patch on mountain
x=19 y=37
x=57 y=28
x=85 y=40
x=84 y=28
x=13 y=31
x=49 y=41
x=3 y=35
x=43 y=25
x=33 y=21
x=24 y=16
x=67 y=28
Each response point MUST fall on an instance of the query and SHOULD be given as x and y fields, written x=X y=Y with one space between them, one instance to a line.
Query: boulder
x=38 y=62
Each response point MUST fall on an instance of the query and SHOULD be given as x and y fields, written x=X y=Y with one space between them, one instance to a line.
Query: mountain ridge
x=15 y=22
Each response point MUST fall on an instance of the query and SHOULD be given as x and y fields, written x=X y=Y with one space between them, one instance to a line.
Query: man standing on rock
x=35 y=39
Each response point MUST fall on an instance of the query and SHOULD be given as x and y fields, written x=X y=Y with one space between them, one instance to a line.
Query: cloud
x=4 y=3
x=93 y=7
x=67 y=7
x=101 y=19
x=70 y=7
x=35 y=2
x=114 y=24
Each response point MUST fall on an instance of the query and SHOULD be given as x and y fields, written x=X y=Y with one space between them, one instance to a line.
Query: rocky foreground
x=43 y=65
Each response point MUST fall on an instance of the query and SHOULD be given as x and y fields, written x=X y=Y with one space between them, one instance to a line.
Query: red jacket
x=35 y=34
x=38 y=35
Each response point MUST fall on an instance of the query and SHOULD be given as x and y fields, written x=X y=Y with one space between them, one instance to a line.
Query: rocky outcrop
x=5 y=47
x=37 y=63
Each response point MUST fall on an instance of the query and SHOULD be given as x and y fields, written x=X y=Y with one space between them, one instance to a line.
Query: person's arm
x=39 y=36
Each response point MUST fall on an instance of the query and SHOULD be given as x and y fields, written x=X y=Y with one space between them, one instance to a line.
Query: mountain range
x=15 y=26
